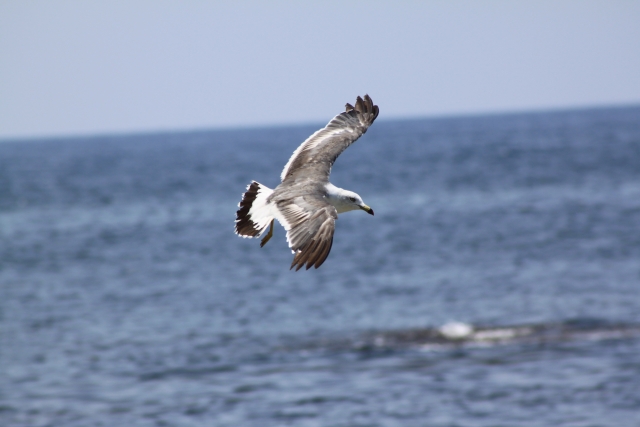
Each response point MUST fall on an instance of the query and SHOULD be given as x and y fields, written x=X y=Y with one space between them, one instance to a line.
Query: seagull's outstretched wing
x=310 y=222
x=324 y=146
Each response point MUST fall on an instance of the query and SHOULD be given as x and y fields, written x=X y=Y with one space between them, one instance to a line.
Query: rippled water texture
x=497 y=285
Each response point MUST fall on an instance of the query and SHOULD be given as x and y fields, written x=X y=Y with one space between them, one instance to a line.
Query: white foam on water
x=500 y=334
x=456 y=330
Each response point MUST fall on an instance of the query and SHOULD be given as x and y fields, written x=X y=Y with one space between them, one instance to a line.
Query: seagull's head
x=346 y=201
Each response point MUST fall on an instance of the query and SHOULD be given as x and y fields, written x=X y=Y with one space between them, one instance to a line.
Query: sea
x=498 y=283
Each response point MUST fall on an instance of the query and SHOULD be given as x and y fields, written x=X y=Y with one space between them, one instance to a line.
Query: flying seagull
x=305 y=203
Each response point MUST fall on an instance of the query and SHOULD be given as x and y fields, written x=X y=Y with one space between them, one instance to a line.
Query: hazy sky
x=86 y=67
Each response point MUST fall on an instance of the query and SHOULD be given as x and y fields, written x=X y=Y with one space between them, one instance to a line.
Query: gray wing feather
x=325 y=145
x=310 y=224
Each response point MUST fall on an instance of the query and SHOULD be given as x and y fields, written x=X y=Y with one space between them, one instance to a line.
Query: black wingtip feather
x=367 y=109
x=360 y=105
x=325 y=253
x=313 y=255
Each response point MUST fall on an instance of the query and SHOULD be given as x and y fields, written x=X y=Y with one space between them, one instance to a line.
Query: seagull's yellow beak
x=367 y=209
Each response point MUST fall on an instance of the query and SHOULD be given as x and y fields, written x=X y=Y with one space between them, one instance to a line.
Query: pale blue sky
x=87 y=67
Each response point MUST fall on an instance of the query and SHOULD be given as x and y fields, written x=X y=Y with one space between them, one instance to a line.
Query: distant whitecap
x=456 y=330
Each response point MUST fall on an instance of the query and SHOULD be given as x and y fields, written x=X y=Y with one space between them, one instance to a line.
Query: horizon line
x=259 y=126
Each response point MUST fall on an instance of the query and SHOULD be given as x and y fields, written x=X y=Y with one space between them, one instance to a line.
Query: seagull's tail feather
x=254 y=214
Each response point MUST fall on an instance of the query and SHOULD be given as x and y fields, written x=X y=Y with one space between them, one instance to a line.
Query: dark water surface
x=497 y=285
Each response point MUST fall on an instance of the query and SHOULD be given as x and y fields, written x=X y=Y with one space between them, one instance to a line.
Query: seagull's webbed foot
x=268 y=236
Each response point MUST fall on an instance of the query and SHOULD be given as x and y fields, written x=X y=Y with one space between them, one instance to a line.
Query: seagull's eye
x=353 y=199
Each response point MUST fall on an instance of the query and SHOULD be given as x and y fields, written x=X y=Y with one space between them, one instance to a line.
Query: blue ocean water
x=497 y=285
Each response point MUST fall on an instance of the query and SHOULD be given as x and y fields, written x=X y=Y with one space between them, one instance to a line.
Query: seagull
x=305 y=203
